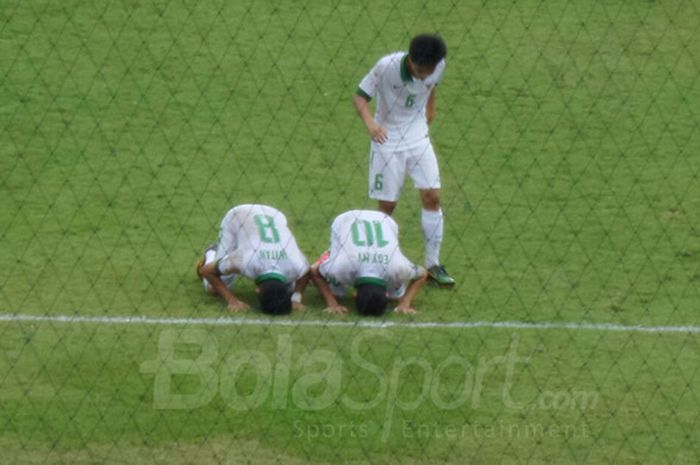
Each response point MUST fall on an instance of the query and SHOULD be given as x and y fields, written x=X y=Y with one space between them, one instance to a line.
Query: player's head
x=275 y=298
x=425 y=52
x=371 y=299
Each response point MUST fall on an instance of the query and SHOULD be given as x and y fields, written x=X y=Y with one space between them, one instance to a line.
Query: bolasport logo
x=292 y=376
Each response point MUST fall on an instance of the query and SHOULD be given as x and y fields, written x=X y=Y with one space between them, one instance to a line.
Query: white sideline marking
x=144 y=320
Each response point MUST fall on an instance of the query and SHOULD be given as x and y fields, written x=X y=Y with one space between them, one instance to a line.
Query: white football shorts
x=388 y=168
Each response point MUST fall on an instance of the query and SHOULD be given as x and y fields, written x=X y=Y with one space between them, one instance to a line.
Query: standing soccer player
x=254 y=241
x=404 y=85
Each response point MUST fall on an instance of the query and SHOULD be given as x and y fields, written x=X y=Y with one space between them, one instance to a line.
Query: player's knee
x=387 y=207
x=430 y=199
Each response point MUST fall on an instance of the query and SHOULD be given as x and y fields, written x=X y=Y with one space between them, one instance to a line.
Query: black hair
x=427 y=50
x=371 y=299
x=275 y=298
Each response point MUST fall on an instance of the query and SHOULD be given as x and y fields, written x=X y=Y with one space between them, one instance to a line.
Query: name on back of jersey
x=366 y=257
x=275 y=254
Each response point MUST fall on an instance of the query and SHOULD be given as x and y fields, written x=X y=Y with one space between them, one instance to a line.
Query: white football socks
x=432 y=224
x=209 y=256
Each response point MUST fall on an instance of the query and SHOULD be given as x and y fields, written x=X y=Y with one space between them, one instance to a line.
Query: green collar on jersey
x=271 y=275
x=405 y=74
x=370 y=280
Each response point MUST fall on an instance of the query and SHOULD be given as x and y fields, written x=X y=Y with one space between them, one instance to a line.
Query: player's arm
x=406 y=301
x=211 y=273
x=332 y=305
x=430 y=106
x=299 y=288
x=361 y=102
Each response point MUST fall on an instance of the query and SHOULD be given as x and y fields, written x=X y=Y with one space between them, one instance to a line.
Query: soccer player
x=365 y=254
x=404 y=85
x=254 y=241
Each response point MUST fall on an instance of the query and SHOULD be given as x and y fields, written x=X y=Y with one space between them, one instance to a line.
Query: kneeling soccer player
x=365 y=254
x=254 y=241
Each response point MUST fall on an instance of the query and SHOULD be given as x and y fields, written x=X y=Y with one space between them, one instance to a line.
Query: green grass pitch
x=567 y=135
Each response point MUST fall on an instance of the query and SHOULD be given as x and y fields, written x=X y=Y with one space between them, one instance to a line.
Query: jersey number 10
x=364 y=234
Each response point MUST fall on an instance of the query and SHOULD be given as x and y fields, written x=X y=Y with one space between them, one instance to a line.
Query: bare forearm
x=430 y=107
x=363 y=110
x=413 y=288
x=302 y=282
x=430 y=115
x=223 y=290
x=323 y=288
x=210 y=273
x=376 y=132
x=299 y=288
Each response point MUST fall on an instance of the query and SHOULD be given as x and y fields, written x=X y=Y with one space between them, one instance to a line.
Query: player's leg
x=424 y=171
x=386 y=207
x=387 y=171
x=432 y=223
x=225 y=244
x=208 y=257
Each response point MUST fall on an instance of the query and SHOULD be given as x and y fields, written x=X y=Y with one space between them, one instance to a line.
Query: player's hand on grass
x=298 y=307
x=405 y=310
x=377 y=132
x=336 y=309
x=236 y=306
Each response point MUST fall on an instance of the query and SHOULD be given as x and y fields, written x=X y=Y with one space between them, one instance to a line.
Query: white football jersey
x=365 y=248
x=255 y=240
x=401 y=99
